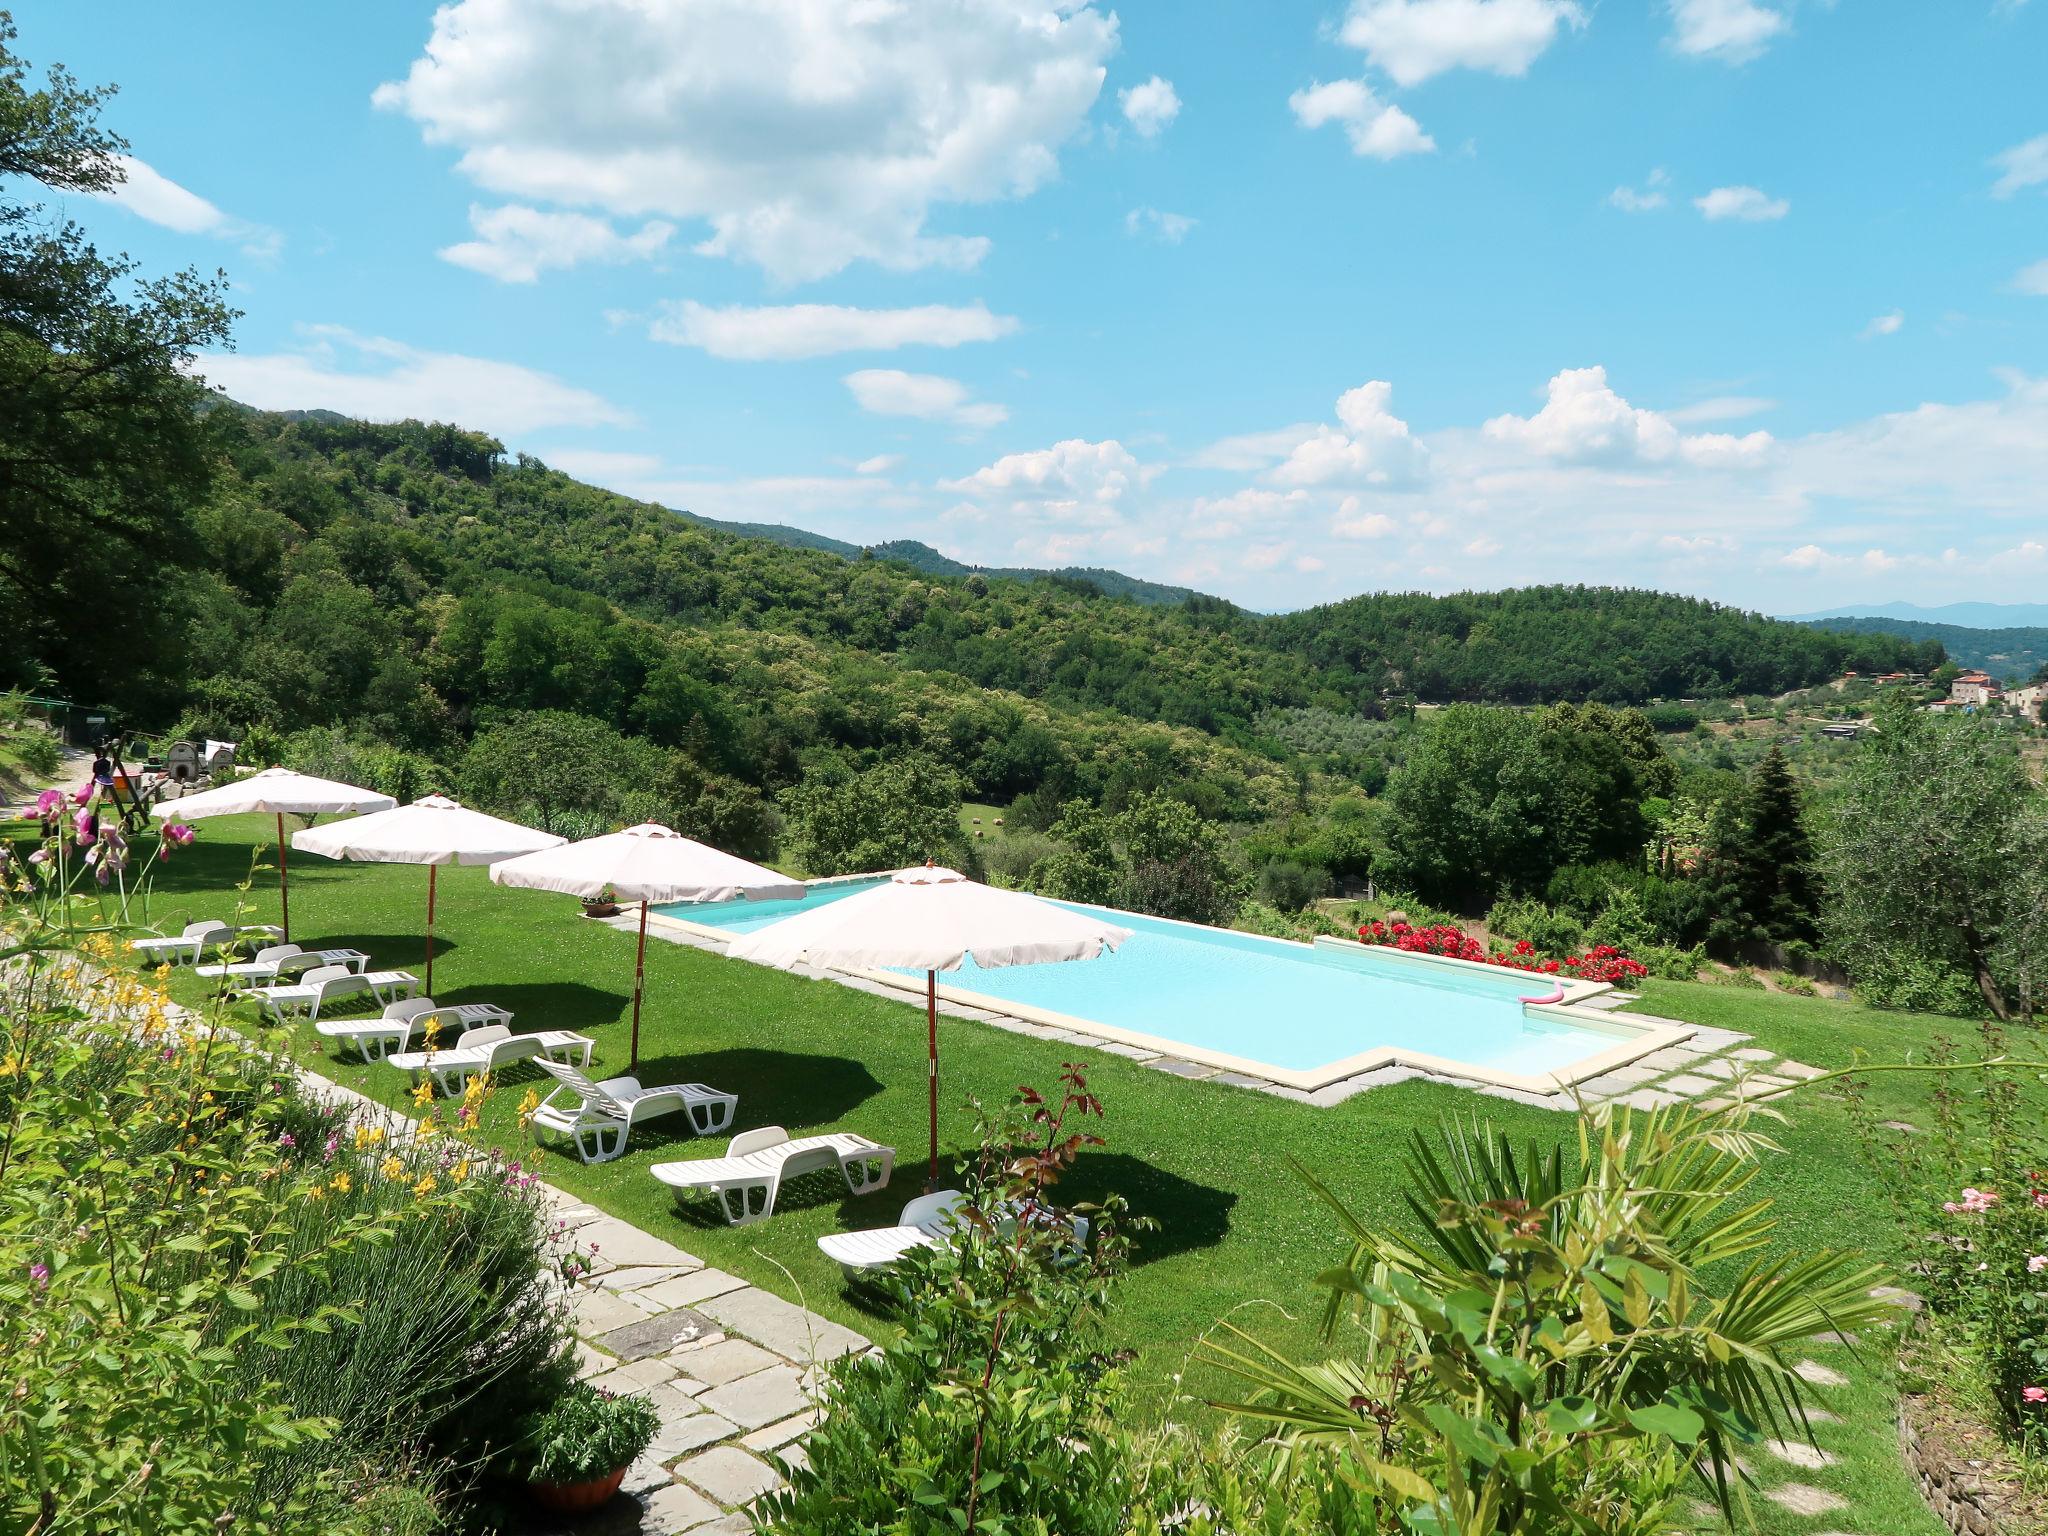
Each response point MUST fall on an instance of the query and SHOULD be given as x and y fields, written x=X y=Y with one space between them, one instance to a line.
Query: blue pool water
x=1287 y=1005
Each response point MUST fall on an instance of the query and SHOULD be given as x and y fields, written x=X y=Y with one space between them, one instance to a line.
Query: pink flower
x=40 y=1274
x=2041 y=1198
x=2035 y=1394
x=2037 y=1263
x=1973 y=1201
x=178 y=833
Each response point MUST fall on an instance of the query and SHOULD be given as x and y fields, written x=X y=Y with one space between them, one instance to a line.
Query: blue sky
x=1285 y=300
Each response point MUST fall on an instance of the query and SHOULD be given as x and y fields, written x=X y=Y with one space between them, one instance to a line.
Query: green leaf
x=1673 y=1421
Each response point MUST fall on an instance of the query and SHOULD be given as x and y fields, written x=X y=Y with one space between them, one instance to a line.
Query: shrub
x=37 y=751
x=1291 y=886
x=1011 y=858
x=585 y=1433
x=1977 y=1186
x=992 y=1410
x=1548 y=930
x=252 y=1297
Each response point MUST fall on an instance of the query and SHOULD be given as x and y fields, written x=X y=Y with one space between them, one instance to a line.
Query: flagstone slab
x=1819 y=1375
x=782 y=1326
x=691 y=1289
x=1690 y=1084
x=1805 y=1499
x=596 y=1312
x=774 y=1436
x=764 y=1398
x=726 y=1361
x=654 y=1335
x=676 y=1509
x=729 y=1474
x=624 y=1244
x=680 y=1436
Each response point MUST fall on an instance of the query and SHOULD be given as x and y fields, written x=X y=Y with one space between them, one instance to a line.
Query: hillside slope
x=2016 y=653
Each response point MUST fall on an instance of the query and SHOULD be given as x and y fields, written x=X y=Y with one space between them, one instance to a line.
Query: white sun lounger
x=373 y=1039
x=277 y=962
x=602 y=1116
x=324 y=983
x=925 y=1221
x=748 y=1178
x=487 y=1048
x=198 y=938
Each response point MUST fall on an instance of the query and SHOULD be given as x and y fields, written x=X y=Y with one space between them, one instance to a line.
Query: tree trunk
x=1980 y=967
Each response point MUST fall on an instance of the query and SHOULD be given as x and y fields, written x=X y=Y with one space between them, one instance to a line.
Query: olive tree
x=1932 y=853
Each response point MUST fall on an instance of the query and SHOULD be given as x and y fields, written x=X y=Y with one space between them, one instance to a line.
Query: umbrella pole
x=433 y=871
x=931 y=1024
x=284 y=887
x=639 y=983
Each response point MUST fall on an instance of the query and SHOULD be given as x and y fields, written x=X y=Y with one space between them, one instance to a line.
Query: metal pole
x=284 y=885
x=639 y=984
x=433 y=870
x=931 y=1024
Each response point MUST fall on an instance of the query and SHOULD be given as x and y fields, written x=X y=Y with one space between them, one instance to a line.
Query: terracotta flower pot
x=600 y=909
x=578 y=1498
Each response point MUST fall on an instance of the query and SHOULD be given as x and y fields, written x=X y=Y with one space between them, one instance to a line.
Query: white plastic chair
x=187 y=946
x=373 y=1039
x=487 y=1048
x=925 y=1221
x=747 y=1179
x=603 y=1115
x=325 y=983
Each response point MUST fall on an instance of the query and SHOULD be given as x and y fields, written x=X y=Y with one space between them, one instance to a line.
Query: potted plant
x=601 y=905
x=575 y=1452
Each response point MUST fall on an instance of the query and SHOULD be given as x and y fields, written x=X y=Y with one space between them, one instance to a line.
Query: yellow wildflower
x=391 y=1168
x=459 y=1172
x=316 y=1193
x=368 y=1136
x=527 y=1107
x=342 y=1183
x=423 y=1092
x=428 y=1129
x=425 y=1186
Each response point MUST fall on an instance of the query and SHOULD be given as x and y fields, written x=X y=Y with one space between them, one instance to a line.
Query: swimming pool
x=1299 y=1014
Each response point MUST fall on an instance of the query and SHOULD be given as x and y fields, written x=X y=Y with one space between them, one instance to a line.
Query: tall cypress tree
x=1779 y=891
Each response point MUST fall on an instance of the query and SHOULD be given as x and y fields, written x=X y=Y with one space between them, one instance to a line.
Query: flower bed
x=1602 y=962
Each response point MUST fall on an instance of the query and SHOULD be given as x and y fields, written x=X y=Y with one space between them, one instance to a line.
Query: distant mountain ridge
x=2004 y=616
x=922 y=557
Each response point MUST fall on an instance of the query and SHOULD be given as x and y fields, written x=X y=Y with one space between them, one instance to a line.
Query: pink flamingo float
x=1555 y=997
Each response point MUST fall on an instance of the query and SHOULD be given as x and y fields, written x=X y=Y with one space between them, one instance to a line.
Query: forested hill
x=2005 y=653
x=394 y=542
x=1532 y=644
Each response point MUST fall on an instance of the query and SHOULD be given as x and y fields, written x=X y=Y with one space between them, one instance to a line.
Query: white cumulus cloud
x=1171 y=228
x=2022 y=166
x=1645 y=199
x=1733 y=31
x=1584 y=421
x=1371 y=446
x=1072 y=479
x=1376 y=129
x=384 y=380
x=1151 y=107
x=1885 y=325
x=1744 y=203
x=784 y=332
x=1414 y=39
x=926 y=396
x=515 y=244
x=807 y=134
x=149 y=194
x=2032 y=280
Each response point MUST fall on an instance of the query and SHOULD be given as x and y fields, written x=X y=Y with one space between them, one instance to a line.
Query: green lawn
x=1238 y=1234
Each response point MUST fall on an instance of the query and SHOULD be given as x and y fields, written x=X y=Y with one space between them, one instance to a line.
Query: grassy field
x=1238 y=1233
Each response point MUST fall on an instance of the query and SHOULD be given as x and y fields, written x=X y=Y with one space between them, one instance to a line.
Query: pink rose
x=2035 y=1394
x=2037 y=1263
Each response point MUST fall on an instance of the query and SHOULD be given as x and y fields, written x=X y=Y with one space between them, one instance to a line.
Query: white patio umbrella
x=279 y=792
x=647 y=863
x=931 y=920
x=433 y=832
